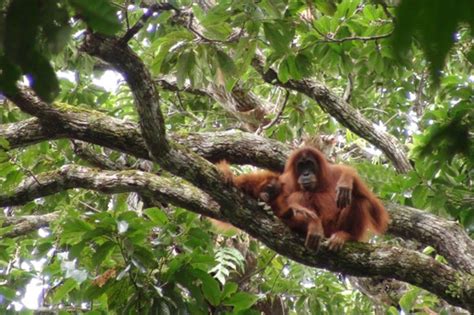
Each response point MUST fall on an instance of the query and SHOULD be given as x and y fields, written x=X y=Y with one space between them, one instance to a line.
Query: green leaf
x=64 y=289
x=241 y=301
x=218 y=32
x=283 y=72
x=467 y=220
x=186 y=62
x=326 y=6
x=210 y=287
x=293 y=68
x=303 y=63
x=99 y=15
x=226 y=64
x=4 y=144
x=162 y=47
x=273 y=8
x=102 y=252
x=144 y=255
x=157 y=216
x=420 y=195
x=8 y=293
x=408 y=300
x=421 y=19
x=279 y=33
x=229 y=289
x=73 y=230
x=216 y=15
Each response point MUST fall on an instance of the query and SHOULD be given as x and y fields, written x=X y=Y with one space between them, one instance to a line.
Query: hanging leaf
x=422 y=19
x=99 y=15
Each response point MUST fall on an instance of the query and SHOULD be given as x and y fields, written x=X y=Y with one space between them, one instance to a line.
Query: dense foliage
x=223 y=66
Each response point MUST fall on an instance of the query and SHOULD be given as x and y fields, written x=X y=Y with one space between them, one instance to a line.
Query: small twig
x=127 y=21
x=245 y=278
x=277 y=277
x=385 y=8
x=88 y=206
x=141 y=22
x=418 y=104
x=349 y=88
x=184 y=111
x=85 y=152
x=345 y=39
x=278 y=115
x=24 y=169
x=234 y=37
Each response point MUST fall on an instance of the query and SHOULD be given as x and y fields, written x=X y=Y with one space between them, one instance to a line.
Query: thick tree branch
x=356 y=259
x=247 y=107
x=237 y=147
x=98 y=128
x=332 y=104
x=173 y=190
x=342 y=112
x=27 y=132
x=448 y=237
x=351 y=38
x=27 y=224
x=171 y=156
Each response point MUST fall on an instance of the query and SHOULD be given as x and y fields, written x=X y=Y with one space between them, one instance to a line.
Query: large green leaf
x=433 y=23
x=241 y=301
x=64 y=289
x=99 y=15
x=210 y=287
x=279 y=33
x=186 y=62
x=21 y=37
x=21 y=48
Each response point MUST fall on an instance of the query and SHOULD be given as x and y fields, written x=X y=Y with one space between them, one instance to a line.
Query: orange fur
x=261 y=184
x=316 y=213
x=253 y=184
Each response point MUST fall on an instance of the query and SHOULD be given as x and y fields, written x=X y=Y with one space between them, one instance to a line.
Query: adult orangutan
x=321 y=199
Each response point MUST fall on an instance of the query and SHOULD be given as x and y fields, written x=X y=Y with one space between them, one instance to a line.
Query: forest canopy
x=115 y=113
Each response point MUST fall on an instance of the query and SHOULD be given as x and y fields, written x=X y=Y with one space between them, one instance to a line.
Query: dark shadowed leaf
x=42 y=77
x=21 y=37
x=422 y=19
x=100 y=15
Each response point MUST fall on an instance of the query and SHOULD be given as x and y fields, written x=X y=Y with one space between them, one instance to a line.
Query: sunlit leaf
x=64 y=289
x=408 y=299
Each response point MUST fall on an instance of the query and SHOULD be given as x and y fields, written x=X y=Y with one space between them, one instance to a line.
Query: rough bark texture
x=329 y=101
x=248 y=108
x=358 y=259
x=28 y=223
x=172 y=190
x=213 y=197
x=345 y=114
x=237 y=147
x=448 y=237
x=125 y=136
